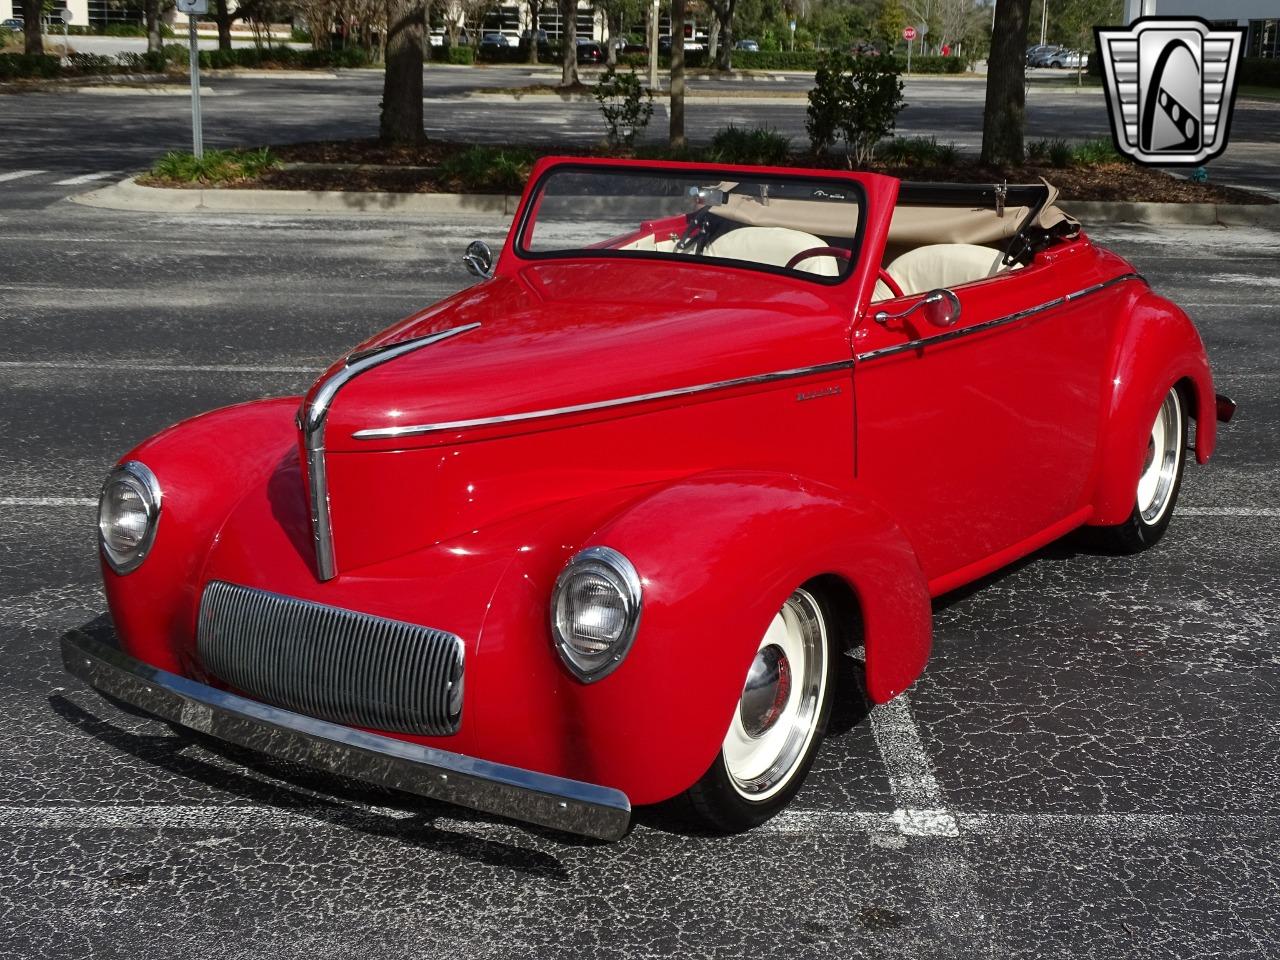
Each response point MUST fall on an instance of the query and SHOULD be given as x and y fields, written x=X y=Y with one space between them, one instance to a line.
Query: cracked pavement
x=1088 y=766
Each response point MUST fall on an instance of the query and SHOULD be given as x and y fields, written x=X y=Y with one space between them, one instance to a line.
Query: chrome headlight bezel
x=137 y=476
x=617 y=571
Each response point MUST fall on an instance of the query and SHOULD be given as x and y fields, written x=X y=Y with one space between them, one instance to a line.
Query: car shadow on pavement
x=310 y=794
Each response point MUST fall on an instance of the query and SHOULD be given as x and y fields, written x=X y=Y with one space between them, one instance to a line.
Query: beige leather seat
x=774 y=246
x=941 y=265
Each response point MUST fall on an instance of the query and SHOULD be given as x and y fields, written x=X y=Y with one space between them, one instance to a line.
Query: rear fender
x=717 y=555
x=1158 y=347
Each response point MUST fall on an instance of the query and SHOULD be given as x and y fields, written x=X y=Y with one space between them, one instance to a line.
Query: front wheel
x=777 y=724
x=1158 y=482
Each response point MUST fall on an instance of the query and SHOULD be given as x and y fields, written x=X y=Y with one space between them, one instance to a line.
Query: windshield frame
x=712 y=173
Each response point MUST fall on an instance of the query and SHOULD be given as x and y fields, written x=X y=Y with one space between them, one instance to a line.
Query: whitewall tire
x=778 y=722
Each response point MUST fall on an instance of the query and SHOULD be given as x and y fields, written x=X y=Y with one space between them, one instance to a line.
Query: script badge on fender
x=1171 y=86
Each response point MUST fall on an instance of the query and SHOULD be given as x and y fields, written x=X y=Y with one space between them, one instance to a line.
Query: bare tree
x=461 y=13
x=568 y=43
x=401 y=121
x=151 y=12
x=33 y=37
x=319 y=16
x=676 y=138
x=1004 y=116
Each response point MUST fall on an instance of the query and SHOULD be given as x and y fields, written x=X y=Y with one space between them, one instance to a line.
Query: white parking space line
x=85 y=178
x=920 y=809
x=48 y=502
x=1227 y=511
x=155 y=367
x=18 y=175
x=233 y=818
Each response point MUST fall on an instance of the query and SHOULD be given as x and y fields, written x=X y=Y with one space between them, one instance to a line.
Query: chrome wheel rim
x=777 y=715
x=1160 y=465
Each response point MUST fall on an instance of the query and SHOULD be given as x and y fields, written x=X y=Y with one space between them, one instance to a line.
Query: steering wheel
x=840 y=252
x=891 y=283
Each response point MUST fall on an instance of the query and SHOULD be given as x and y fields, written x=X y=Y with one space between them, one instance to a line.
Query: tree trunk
x=534 y=7
x=713 y=40
x=222 y=17
x=677 y=139
x=725 y=60
x=402 y=83
x=568 y=43
x=33 y=38
x=152 y=11
x=1004 y=116
x=613 y=27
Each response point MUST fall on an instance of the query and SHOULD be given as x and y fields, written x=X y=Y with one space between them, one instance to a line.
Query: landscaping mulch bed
x=366 y=165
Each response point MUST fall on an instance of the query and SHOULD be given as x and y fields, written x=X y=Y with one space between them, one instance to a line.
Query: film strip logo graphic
x=1170 y=88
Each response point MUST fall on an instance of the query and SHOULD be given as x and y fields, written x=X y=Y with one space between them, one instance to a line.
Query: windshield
x=805 y=227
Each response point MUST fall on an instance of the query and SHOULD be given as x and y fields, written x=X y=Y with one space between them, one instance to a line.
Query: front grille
x=335 y=664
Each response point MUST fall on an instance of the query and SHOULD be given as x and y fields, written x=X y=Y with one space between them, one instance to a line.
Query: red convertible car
x=593 y=532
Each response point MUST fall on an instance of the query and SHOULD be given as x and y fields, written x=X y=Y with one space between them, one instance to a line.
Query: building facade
x=1260 y=17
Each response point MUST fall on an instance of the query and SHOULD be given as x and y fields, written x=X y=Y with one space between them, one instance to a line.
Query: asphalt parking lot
x=1087 y=768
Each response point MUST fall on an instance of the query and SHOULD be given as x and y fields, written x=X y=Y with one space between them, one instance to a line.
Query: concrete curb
x=128 y=195
x=1184 y=214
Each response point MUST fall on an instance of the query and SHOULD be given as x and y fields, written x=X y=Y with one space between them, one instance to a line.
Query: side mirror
x=479 y=259
x=940 y=307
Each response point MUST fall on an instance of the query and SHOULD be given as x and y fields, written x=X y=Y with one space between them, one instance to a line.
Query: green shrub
x=761 y=146
x=21 y=66
x=124 y=30
x=488 y=169
x=91 y=63
x=1037 y=150
x=300 y=34
x=1060 y=153
x=460 y=55
x=855 y=100
x=935 y=64
x=625 y=105
x=1260 y=71
x=216 y=166
x=7 y=37
x=1096 y=152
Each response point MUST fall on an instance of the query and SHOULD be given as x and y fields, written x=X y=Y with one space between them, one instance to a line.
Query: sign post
x=908 y=34
x=65 y=15
x=194 y=8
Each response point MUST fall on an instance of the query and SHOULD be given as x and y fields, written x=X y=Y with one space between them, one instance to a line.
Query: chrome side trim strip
x=312 y=424
x=383 y=433
x=992 y=324
x=495 y=788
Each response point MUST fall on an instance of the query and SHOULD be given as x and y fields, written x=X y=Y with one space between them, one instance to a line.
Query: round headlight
x=595 y=610
x=128 y=511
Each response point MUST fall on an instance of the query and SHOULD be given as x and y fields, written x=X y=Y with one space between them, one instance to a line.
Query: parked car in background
x=1063 y=57
x=494 y=41
x=1034 y=51
x=590 y=52
x=1042 y=55
x=751 y=46
x=636 y=570
x=538 y=36
x=14 y=24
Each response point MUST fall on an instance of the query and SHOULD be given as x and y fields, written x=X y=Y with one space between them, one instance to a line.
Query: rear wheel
x=1158 y=483
x=777 y=724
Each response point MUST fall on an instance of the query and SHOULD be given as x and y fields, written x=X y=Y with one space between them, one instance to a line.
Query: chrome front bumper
x=568 y=805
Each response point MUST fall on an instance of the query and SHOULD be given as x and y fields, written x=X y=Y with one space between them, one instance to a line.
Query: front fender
x=1157 y=347
x=717 y=555
x=204 y=466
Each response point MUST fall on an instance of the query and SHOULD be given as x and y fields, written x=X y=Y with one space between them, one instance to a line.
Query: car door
x=980 y=437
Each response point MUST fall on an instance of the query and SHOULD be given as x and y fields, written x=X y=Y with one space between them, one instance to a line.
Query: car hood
x=566 y=334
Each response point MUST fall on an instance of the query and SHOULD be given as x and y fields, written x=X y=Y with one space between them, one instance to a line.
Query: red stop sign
x=909 y=33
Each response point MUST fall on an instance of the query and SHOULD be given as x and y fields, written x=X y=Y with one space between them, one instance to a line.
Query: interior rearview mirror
x=479 y=259
x=940 y=307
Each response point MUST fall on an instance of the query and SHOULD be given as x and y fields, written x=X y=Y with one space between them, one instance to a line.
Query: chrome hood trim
x=311 y=420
